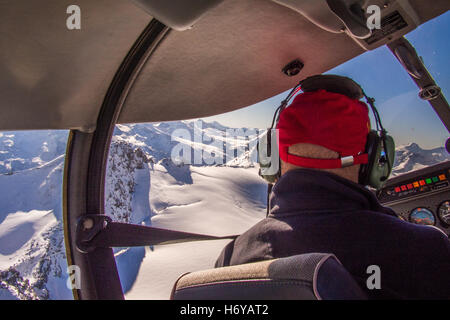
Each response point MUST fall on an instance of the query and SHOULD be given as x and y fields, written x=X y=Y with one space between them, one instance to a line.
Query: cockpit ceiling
x=53 y=78
x=230 y=59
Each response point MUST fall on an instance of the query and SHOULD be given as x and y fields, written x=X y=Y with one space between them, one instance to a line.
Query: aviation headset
x=380 y=147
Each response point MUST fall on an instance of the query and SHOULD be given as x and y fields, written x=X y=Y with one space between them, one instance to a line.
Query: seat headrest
x=313 y=276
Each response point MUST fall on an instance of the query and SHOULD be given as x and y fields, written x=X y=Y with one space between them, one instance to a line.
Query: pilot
x=315 y=208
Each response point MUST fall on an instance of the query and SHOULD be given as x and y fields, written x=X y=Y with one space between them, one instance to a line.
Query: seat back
x=313 y=276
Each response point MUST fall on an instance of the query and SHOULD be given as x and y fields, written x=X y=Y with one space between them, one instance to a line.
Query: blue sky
x=405 y=116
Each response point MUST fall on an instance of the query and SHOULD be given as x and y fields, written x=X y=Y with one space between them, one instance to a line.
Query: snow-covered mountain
x=202 y=178
x=32 y=254
x=412 y=157
x=30 y=149
x=206 y=143
x=32 y=257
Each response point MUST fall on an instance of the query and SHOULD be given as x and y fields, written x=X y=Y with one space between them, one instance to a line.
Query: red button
x=410 y=186
x=422 y=182
x=403 y=188
x=397 y=189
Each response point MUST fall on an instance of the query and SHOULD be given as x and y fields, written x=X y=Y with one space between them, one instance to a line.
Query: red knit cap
x=327 y=119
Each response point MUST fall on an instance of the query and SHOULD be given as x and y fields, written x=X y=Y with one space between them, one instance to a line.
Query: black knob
x=293 y=68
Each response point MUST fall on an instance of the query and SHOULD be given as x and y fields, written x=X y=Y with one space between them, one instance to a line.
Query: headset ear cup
x=379 y=167
x=372 y=143
x=389 y=146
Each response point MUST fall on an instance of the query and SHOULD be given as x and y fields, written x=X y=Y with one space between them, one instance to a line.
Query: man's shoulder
x=379 y=227
x=255 y=242
x=396 y=225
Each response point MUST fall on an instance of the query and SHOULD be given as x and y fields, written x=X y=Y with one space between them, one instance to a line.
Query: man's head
x=325 y=131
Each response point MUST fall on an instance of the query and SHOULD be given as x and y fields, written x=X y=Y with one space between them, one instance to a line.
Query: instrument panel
x=421 y=197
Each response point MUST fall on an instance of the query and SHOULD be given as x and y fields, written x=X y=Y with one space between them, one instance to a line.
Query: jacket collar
x=311 y=190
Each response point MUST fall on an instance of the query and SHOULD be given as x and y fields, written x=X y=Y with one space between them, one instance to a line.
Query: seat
x=314 y=276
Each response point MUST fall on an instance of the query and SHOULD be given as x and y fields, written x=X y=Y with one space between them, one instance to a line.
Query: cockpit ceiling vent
x=397 y=18
x=389 y=25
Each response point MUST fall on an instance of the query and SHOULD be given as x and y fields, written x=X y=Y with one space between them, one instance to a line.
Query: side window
x=32 y=253
x=192 y=176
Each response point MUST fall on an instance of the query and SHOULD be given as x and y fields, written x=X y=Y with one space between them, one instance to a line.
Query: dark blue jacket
x=316 y=211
